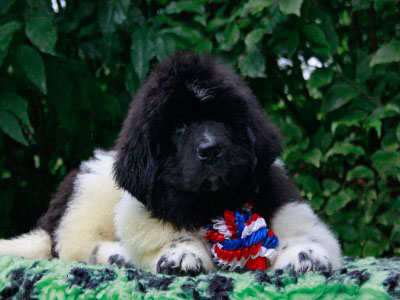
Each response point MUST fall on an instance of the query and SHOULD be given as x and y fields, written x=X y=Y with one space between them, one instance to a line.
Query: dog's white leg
x=305 y=243
x=157 y=246
x=88 y=218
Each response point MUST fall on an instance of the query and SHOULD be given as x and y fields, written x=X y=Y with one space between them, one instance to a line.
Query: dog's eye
x=179 y=130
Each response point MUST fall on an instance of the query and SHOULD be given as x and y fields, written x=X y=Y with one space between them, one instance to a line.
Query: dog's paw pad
x=181 y=263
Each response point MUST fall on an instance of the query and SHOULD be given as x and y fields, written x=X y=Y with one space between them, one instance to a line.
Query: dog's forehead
x=200 y=91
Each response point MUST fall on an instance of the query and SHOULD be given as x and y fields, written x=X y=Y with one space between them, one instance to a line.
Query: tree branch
x=362 y=91
x=373 y=45
x=355 y=28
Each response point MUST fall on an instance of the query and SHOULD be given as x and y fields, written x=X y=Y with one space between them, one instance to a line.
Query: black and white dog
x=195 y=142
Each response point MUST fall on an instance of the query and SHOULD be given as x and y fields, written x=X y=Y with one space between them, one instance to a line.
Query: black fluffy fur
x=156 y=159
x=162 y=176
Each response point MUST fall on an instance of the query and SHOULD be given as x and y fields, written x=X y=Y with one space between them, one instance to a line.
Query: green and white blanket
x=369 y=278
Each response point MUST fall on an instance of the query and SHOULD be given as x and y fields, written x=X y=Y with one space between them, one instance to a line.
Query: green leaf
x=131 y=80
x=177 y=7
x=252 y=63
x=345 y=148
x=229 y=37
x=387 y=53
x=5 y=6
x=165 y=46
x=141 y=52
x=382 y=5
x=392 y=79
x=337 y=202
x=329 y=27
x=112 y=13
x=322 y=140
x=6 y=34
x=9 y=125
x=360 y=172
x=352 y=249
x=337 y=96
x=364 y=70
x=348 y=232
x=289 y=45
x=330 y=185
x=15 y=105
x=353 y=118
x=398 y=132
x=388 y=218
x=216 y=23
x=390 y=142
x=383 y=158
x=316 y=35
x=313 y=157
x=360 y=4
x=203 y=46
x=253 y=7
x=324 y=52
x=42 y=33
x=192 y=36
x=395 y=234
x=290 y=6
x=292 y=132
x=317 y=202
x=31 y=62
x=202 y=19
x=308 y=183
x=254 y=36
x=320 y=77
x=374 y=123
x=386 y=111
x=387 y=163
x=372 y=248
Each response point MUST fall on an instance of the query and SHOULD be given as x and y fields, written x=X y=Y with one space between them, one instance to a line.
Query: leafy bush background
x=66 y=79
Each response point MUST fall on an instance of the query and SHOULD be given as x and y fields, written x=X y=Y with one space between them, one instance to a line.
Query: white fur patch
x=279 y=164
x=300 y=231
x=35 y=244
x=147 y=239
x=88 y=219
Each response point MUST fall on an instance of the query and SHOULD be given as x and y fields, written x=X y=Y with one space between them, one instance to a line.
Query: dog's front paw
x=109 y=253
x=303 y=257
x=181 y=263
x=184 y=257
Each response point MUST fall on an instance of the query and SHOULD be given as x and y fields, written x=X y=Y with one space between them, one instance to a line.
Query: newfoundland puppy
x=195 y=143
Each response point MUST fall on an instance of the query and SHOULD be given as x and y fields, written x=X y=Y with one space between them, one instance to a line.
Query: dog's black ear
x=135 y=166
x=264 y=135
x=148 y=125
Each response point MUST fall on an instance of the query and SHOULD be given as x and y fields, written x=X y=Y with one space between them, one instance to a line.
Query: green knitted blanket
x=369 y=278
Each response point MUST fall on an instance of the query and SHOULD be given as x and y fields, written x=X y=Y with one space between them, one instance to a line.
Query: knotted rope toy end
x=241 y=239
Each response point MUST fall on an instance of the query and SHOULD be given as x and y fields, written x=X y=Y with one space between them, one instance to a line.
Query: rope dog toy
x=241 y=239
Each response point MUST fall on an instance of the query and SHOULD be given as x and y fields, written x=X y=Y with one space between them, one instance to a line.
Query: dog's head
x=195 y=141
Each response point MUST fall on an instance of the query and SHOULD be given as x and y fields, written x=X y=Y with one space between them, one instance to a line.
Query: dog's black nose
x=209 y=152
